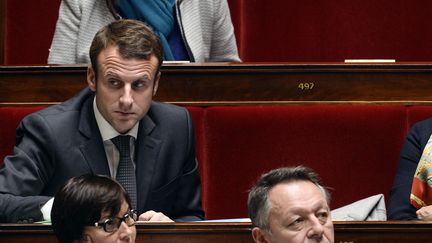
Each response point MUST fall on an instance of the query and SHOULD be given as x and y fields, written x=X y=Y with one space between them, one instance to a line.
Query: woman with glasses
x=92 y=208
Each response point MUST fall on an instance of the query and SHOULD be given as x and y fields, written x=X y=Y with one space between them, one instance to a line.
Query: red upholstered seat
x=310 y=30
x=294 y=30
x=10 y=118
x=29 y=27
x=354 y=149
x=197 y=114
x=418 y=113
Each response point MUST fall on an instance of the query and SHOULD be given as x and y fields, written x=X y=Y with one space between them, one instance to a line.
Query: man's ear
x=156 y=83
x=259 y=235
x=91 y=78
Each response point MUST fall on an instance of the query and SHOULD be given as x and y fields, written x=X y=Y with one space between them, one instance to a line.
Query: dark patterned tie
x=125 y=170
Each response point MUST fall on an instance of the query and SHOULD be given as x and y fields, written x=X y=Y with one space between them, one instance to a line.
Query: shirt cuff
x=46 y=210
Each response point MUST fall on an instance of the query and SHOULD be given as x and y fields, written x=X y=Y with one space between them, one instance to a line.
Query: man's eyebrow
x=111 y=75
x=315 y=206
x=320 y=205
x=145 y=78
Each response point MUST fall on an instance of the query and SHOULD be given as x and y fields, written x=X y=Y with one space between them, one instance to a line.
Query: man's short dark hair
x=81 y=200
x=258 y=204
x=133 y=38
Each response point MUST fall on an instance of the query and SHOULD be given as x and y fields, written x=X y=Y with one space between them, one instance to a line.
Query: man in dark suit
x=74 y=138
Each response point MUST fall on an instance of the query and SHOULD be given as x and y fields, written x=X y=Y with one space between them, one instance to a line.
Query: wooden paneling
x=202 y=232
x=253 y=83
x=382 y=231
x=2 y=29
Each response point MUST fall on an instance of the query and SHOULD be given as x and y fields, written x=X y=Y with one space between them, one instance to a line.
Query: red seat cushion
x=29 y=28
x=354 y=149
x=418 y=113
x=10 y=118
x=197 y=114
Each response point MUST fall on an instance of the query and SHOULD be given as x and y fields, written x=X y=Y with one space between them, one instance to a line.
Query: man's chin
x=123 y=129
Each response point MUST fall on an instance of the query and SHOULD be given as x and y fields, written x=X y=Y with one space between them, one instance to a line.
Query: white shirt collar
x=106 y=130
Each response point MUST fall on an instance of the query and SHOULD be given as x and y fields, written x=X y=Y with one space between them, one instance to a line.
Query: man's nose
x=316 y=228
x=126 y=98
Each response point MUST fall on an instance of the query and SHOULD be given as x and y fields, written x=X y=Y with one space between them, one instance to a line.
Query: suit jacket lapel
x=92 y=149
x=147 y=148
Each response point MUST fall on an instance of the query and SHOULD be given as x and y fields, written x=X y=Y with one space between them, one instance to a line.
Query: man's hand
x=425 y=213
x=154 y=216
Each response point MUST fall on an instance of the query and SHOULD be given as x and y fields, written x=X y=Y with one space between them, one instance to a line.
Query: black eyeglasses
x=112 y=224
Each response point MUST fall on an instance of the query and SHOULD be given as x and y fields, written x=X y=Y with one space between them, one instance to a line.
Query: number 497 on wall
x=306 y=86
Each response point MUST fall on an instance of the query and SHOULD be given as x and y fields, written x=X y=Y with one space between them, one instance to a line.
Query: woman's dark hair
x=81 y=201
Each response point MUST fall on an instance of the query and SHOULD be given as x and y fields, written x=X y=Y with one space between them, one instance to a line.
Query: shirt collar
x=106 y=130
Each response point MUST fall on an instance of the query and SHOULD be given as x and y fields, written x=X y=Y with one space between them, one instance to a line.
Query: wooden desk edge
x=238 y=225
